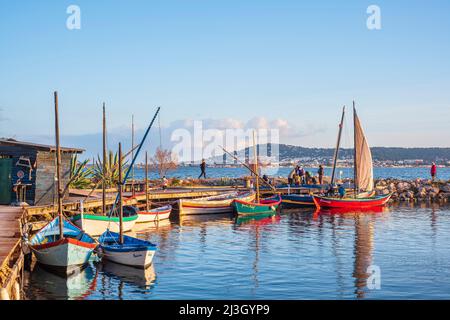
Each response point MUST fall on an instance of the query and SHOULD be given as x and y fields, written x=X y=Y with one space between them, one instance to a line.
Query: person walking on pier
x=433 y=171
x=203 y=169
x=320 y=172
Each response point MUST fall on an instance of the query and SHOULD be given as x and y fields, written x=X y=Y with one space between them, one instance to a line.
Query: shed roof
x=40 y=147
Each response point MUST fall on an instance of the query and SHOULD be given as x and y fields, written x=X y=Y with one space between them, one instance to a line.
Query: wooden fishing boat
x=222 y=203
x=363 y=195
x=60 y=245
x=269 y=205
x=297 y=200
x=95 y=224
x=152 y=215
x=351 y=203
x=117 y=247
x=129 y=251
x=62 y=254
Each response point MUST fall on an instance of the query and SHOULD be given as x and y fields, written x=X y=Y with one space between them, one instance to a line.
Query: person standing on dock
x=203 y=169
x=301 y=173
x=165 y=182
x=433 y=171
x=320 y=172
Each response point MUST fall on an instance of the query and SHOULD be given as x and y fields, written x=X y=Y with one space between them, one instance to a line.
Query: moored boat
x=118 y=247
x=95 y=224
x=268 y=205
x=297 y=200
x=60 y=245
x=62 y=254
x=222 y=203
x=157 y=214
x=350 y=203
x=129 y=251
x=363 y=194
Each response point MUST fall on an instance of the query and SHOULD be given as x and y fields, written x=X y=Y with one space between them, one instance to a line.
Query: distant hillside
x=288 y=152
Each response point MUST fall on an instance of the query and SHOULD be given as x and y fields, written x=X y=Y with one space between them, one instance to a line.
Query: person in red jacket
x=433 y=171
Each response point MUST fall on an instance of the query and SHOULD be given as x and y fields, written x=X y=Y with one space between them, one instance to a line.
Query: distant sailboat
x=363 y=175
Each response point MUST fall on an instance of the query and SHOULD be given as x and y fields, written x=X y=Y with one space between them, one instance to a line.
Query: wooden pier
x=11 y=255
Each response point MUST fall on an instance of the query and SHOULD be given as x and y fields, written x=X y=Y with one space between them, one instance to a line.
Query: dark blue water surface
x=400 y=173
x=298 y=254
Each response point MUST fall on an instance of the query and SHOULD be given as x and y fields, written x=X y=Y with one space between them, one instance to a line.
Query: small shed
x=33 y=167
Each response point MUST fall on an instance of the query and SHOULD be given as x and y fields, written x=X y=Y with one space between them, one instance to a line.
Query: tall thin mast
x=256 y=167
x=104 y=162
x=135 y=156
x=338 y=144
x=132 y=153
x=120 y=187
x=355 y=166
x=146 y=181
x=58 y=169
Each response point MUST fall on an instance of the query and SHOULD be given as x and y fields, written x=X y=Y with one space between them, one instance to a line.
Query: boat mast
x=146 y=181
x=120 y=187
x=104 y=162
x=135 y=155
x=132 y=153
x=256 y=166
x=58 y=171
x=336 y=151
x=355 y=167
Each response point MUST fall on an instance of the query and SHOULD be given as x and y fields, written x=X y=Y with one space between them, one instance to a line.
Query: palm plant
x=80 y=173
x=111 y=174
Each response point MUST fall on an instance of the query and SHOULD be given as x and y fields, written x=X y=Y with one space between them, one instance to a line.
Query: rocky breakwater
x=416 y=190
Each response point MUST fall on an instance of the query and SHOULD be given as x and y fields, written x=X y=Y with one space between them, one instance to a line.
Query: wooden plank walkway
x=9 y=230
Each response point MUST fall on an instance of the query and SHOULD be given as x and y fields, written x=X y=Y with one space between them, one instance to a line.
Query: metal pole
x=58 y=169
x=120 y=187
x=104 y=162
x=336 y=151
x=132 y=154
x=146 y=181
x=256 y=167
x=355 y=166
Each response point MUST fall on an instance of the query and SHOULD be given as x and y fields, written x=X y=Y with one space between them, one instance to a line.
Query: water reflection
x=48 y=285
x=316 y=255
x=141 y=278
x=363 y=244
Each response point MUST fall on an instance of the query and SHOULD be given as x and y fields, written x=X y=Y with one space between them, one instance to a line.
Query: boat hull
x=132 y=252
x=136 y=259
x=252 y=208
x=96 y=225
x=63 y=255
x=204 y=206
x=154 y=215
x=297 y=201
x=354 y=203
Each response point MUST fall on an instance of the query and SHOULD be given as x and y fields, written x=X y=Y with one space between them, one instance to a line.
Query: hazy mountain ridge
x=288 y=152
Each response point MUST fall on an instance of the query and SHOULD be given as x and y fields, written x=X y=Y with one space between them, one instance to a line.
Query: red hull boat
x=349 y=203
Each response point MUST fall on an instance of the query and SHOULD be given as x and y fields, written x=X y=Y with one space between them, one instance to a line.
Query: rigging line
x=136 y=155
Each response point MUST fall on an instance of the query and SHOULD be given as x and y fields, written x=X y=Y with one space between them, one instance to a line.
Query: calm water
x=400 y=173
x=294 y=255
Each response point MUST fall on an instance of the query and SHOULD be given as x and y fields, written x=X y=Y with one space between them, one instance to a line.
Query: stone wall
x=418 y=190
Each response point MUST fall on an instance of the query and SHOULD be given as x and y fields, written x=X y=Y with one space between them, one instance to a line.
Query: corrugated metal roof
x=42 y=147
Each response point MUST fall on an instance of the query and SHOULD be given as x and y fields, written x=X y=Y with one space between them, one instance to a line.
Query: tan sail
x=363 y=158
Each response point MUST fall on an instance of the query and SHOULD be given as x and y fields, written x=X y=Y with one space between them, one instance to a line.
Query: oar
x=250 y=169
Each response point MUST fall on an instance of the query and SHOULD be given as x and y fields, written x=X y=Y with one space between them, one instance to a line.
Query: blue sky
x=290 y=60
